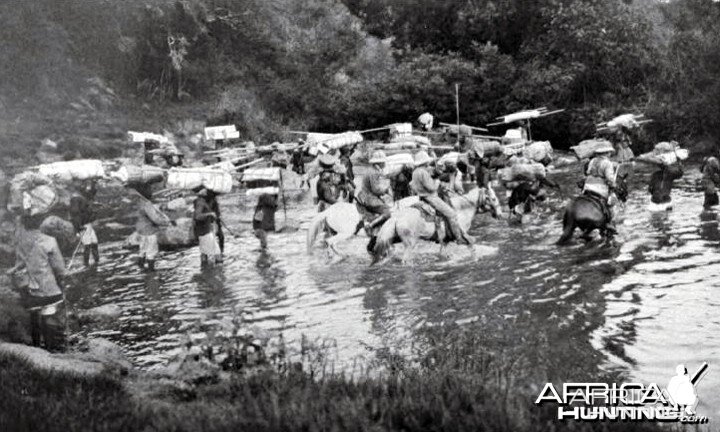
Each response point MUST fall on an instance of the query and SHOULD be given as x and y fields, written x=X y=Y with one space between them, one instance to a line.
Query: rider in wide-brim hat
x=422 y=158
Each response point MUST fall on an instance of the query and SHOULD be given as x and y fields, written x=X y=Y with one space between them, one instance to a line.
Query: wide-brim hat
x=378 y=157
x=422 y=158
x=327 y=161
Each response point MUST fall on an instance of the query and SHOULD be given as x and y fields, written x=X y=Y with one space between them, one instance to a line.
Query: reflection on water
x=646 y=305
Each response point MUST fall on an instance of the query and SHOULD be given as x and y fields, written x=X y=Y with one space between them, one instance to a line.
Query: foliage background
x=331 y=65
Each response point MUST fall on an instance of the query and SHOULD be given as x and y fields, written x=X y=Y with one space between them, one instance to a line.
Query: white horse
x=341 y=219
x=408 y=225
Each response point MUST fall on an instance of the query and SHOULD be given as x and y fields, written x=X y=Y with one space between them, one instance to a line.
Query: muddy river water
x=641 y=307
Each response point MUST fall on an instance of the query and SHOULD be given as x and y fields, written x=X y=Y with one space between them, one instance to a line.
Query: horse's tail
x=384 y=240
x=317 y=226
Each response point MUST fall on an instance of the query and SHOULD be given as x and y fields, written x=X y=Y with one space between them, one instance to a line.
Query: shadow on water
x=640 y=307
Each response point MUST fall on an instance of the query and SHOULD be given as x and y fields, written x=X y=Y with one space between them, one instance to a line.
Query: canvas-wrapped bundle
x=538 y=151
x=400 y=129
x=216 y=180
x=24 y=182
x=665 y=153
x=260 y=181
x=323 y=143
x=459 y=130
x=145 y=174
x=394 y=164
x=400 y=145
x=488 y=147
x=419 y=140
x=522 y=172
x=586 y=149
x=39 y=200
x=513 y=149
x=628 y=121
x=67 y=171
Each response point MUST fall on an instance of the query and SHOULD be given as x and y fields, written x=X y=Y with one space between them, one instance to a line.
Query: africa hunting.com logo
x=628 y=401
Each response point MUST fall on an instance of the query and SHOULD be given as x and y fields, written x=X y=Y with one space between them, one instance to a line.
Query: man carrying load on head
x=41 y=282
x=149 y=222
x=427 y=187
x=205 y=224
x=373 y=196
x=600 y=182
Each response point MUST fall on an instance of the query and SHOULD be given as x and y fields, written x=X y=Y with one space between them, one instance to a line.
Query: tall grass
x=458 y=386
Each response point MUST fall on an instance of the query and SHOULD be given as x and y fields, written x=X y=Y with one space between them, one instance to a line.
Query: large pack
x=522 y=172
x=538 y=151
x=419 y=140
x=145 y=174
x=216 y=180
x=459 y=130
x=67 y=171
x=586 y=149
x=261 y=181
x=665 y=153
x=394 y=164
x=489 y=147
x=400 y=129
x=323 y=143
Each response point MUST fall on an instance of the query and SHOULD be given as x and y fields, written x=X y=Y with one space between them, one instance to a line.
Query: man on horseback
x=426 y=187
x=600 y=182
x=371 y=201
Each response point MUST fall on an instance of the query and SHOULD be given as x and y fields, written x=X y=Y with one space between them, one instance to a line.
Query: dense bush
x=334 y=65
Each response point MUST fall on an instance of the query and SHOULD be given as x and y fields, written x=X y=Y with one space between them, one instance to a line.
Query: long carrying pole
x=282 y=191
x=457 y=105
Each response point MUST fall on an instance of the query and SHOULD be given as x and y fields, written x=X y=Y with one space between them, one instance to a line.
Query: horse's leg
x=568 y=227
x=409 y=240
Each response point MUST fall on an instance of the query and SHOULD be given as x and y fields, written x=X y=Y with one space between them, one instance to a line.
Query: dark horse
x=587 y=213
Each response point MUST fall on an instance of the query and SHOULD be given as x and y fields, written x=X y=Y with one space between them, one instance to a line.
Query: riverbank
x=455 y=394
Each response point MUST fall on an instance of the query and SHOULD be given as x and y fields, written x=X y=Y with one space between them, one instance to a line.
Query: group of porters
x=40 y=270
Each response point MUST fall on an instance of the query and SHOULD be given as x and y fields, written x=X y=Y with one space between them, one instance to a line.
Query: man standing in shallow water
x=41 y=283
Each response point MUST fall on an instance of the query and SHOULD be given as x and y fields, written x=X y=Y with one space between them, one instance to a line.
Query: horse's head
x=488 y=202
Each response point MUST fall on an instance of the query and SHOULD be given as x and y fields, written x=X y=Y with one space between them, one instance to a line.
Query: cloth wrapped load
x=538 y=150
x=216 y=180
x=522 y=172
x=141 y=137
x=400 y=129
x=401 y=145
x=461 y=130
x=26 y=182
x=513 y=149
x=419 y=140
x=394 y=164
x=665 y=153
x=323 y=143
x=260 y=181
x=452 y=158
x=39 y=200
x=67 y=171
x=145 y=174
x=489 y=147
x=626 y=120
x=586 y=149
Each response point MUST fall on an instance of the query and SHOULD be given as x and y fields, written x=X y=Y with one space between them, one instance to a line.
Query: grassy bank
x=416 y=401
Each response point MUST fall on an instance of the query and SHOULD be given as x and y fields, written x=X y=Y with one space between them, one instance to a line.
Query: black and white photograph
x=359 y=215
